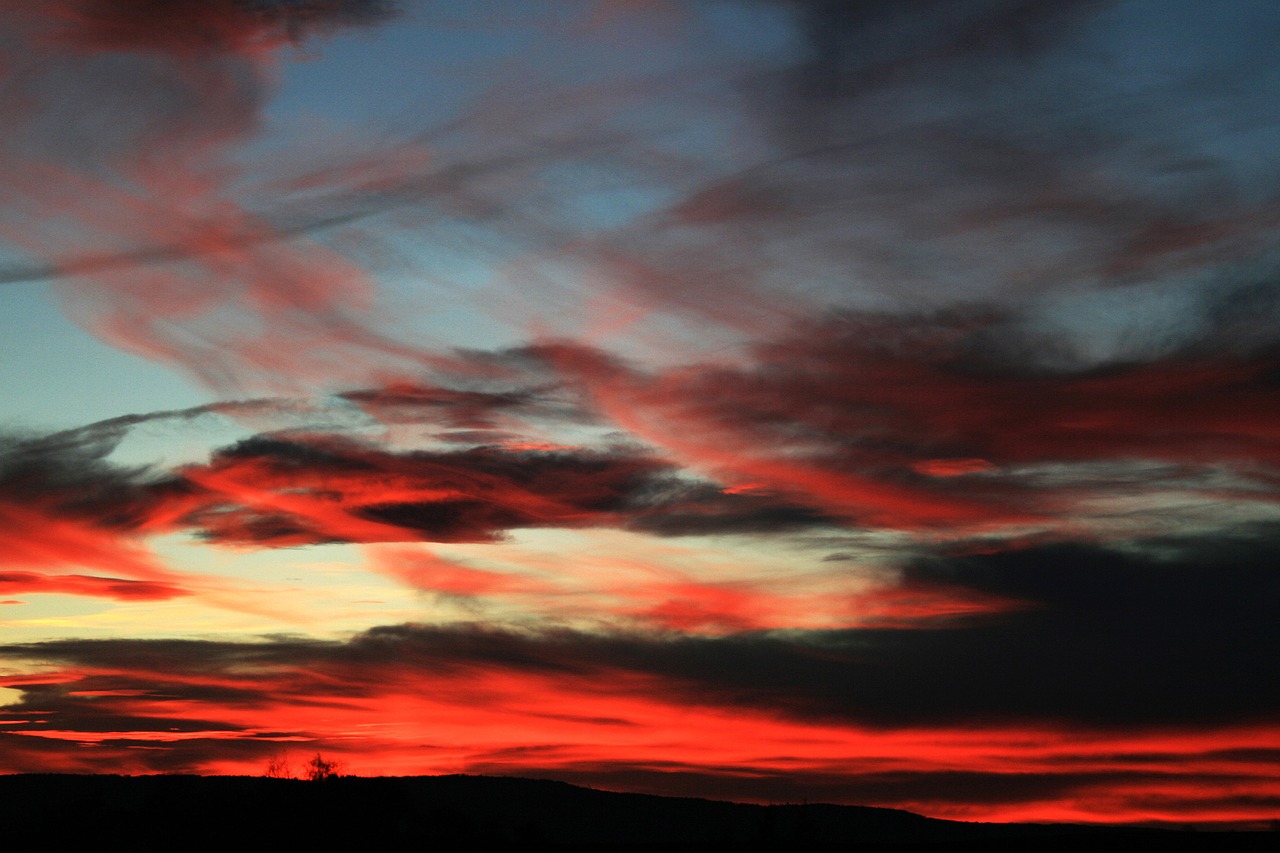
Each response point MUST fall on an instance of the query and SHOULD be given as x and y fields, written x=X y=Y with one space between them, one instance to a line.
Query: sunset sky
x=770 y=400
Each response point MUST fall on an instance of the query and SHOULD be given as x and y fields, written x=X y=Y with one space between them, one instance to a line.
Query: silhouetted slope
x=172 y=812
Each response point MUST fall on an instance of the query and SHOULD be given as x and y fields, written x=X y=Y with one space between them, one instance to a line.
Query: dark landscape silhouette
x=168 y=811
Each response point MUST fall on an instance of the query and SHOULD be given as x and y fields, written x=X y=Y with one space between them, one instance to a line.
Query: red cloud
x=912 y=604
x=317 y=490
x=692 y=607
x=31 y=538
x=194 y=27
x=126 y=590
x=219 y=708
x=914 y=423
x=122 y=119
x=431 y=573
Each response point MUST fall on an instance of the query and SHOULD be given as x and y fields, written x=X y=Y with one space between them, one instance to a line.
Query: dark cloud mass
x=954 y=419
x=326 y=490
x=952 y=152
x=1164 y=633
x=293 y=489
x=1125 y=664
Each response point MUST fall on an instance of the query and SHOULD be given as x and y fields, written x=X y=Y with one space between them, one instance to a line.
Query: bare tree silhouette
x=319 y=769
x=280 y=766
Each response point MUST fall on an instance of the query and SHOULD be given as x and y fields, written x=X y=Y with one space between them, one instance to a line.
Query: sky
x=766 y=400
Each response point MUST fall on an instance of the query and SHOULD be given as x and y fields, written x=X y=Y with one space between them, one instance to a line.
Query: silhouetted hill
x=173 y=812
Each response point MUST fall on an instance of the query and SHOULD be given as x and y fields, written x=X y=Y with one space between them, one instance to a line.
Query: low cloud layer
x=1121 y=666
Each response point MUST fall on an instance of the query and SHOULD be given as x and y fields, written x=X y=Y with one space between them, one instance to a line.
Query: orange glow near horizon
x=609 y=725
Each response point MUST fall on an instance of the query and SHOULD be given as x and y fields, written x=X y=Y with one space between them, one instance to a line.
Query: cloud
x=954 y=424
x=1065 y=795
x=958 y=424
x=124 y=120
x=980 y=294
x=64 y=503
x=1105 y=637
x=618 y=582
x=61 y=503
x=195 y=27
x=1130 y=684
x=890 y=159
x=458 y=408
x=13 y=583
x=951 y=420
x=431 y=573
x=298 y=489
x=947 y=154
x=1170 y=634
x=346 y=492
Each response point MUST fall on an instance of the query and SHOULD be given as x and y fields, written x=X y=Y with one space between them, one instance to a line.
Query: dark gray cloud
x=1176 y=634
x=293 y=488
x=947 y=152
x=124 y=119
x=954 y=417
x=201 y=25
x=471 y=495
x=852 y=418
x=680 y=508
x=863 y=42
x=67 y=475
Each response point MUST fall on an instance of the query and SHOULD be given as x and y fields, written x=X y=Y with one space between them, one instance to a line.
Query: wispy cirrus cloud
x=950 y=425
x=16 y=583
x=934 y=158
x=124 y=120
x=947 y=421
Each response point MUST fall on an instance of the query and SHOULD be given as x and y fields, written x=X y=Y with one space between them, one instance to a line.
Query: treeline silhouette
x=173 y=812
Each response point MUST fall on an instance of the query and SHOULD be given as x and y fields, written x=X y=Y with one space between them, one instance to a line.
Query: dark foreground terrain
x=193 y=812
